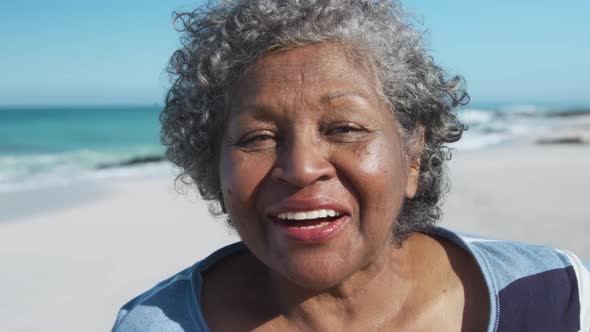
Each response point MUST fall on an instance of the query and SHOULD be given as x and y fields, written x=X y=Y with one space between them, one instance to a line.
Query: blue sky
x=114 y=52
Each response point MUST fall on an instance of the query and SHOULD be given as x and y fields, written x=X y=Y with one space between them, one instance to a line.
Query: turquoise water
x=40 y=145
x=59 y=130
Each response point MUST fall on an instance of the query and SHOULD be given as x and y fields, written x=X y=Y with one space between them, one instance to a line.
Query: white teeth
x=300 y=216
x=312 y=215
x=322 y=213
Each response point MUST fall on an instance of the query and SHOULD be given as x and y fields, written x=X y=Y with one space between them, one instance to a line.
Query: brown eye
x=258 y=141
x=346 y=132
x=345 y=129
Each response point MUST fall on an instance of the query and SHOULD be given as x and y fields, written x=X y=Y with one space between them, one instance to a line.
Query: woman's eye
x=347 y=133
x=344 y=129
x=257 y=141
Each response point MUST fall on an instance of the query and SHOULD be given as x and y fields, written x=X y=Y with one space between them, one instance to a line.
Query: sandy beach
x=72 y=256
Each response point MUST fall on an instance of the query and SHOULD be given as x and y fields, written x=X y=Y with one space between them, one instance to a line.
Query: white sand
x=71 y=268
x=538 y=194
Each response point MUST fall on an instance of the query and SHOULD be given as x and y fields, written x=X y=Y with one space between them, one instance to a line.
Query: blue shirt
x=531 y=288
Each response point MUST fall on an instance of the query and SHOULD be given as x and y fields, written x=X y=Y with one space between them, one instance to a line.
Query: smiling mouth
x=308 y=223
x=308 y=219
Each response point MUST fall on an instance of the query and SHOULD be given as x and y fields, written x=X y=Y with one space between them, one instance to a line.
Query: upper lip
x=306 y=204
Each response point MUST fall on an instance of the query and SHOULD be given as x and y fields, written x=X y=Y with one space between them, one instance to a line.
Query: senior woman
x=319 y=128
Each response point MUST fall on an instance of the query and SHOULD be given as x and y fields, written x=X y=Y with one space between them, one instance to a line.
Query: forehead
x=311 y=69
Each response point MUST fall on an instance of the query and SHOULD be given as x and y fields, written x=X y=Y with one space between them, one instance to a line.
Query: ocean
x=47 y=146
x=41 y=147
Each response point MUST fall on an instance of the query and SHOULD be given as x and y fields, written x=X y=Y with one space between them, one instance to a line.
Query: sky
x=108 y=52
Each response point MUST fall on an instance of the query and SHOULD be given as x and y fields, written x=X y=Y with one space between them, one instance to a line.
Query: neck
x=388 y=289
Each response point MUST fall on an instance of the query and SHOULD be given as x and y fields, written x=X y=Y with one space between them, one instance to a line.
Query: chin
x=316 y=273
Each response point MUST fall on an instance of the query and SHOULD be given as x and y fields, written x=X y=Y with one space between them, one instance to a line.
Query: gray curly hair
x=221 y=41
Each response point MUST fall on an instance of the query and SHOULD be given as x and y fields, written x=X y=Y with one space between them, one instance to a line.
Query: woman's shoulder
x=529 y=282
x=509 y=261
x=172 y=304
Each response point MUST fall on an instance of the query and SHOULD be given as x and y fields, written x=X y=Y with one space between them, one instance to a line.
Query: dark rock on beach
x=560 y=140
x=133 y=162
x=570 y=112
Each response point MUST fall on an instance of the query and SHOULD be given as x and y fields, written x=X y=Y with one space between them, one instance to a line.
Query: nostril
x=276 y=174
x=302 y=164
x=302 y=175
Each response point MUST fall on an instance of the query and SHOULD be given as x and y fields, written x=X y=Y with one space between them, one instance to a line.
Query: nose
x=302 y=162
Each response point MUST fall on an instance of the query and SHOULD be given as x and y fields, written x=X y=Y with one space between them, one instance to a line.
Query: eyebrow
x=328 y=97
x=262 y=111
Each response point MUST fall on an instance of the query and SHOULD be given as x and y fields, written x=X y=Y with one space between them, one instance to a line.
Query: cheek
x=240 y=175
x=379 y=180
x=381 y=163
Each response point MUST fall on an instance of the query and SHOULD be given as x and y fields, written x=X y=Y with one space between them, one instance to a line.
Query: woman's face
x=312 y=168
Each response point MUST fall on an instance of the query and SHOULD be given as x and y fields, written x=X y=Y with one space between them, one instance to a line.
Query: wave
x=24 y=172
x=495 y=126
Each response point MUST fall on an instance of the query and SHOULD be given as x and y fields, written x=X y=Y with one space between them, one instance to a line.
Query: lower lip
x=316 y=234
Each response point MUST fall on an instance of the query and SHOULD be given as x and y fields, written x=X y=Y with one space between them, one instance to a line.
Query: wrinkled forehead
x=304 y=68
x=312 y=68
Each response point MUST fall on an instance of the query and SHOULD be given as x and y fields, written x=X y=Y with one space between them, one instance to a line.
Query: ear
x=414 y=148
